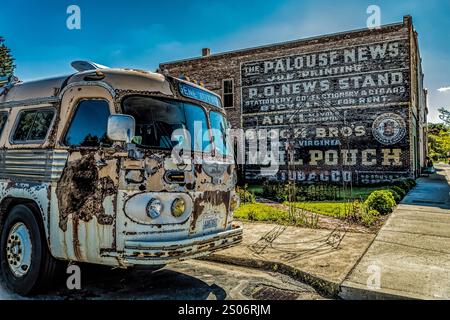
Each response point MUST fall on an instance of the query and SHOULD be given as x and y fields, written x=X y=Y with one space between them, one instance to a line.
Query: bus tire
x=26 y=263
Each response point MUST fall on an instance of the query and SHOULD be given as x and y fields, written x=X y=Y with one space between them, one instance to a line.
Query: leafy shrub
x=245 y=196
x=269 y=190
x=411 y=182
x=359 y=212
x=368 y=217
x=251 y=215
x=403 y=185
x=399 y=191
x=396 y=196
x=276 y=191
x=281 y=193
x=381 y=200
x=352 y=210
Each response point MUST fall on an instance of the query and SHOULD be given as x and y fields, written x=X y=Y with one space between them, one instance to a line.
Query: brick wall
x=346 y=127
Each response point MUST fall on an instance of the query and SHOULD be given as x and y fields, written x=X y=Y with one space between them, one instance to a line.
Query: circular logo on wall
x=389 y=128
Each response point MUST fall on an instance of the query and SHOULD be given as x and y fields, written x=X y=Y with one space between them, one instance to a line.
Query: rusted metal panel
x=33 y=91
x=93 y=200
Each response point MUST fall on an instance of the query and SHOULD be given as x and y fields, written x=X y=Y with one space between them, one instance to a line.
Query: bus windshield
x=219 y=126
x=157 y=119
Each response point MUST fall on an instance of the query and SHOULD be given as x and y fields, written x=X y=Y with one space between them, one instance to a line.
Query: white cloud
x=444 y=89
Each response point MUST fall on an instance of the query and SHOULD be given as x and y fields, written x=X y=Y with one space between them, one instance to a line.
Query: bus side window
x=89 y=125
x=33 y=125
x=3 y=118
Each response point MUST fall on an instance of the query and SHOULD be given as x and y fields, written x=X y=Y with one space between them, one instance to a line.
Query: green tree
x=435 y=128
x=6 y=60
x=438 y=141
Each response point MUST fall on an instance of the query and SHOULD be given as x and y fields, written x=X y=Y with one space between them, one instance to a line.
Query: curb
x=358 y=292
x=325 y=287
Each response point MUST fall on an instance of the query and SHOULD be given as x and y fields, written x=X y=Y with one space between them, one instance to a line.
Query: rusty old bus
x=86 y=174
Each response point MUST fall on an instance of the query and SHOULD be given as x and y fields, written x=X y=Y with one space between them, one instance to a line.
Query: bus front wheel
x=25 y=261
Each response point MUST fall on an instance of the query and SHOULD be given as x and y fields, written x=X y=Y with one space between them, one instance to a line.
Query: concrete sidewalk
x=412 y=250
x=318 y=257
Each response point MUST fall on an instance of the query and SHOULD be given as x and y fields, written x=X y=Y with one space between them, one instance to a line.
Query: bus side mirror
x=121 y=127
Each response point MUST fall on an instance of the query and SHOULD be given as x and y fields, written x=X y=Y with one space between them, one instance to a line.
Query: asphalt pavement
x=189 y=280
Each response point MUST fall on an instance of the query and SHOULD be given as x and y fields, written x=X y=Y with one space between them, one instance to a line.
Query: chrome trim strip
x=52 y=100
x=32 y=165
x=29 y=102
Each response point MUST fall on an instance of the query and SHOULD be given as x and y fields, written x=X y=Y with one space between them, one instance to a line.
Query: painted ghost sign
x=389 y=128
x=344 y=111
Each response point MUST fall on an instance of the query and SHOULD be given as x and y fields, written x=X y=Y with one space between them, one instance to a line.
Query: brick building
x=351 y=104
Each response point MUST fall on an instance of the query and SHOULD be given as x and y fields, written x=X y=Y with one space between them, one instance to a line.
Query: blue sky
x=142 y=34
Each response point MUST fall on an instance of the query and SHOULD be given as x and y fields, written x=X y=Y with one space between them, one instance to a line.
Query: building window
x=228 y=93
x=33 y=125
x=89 y=125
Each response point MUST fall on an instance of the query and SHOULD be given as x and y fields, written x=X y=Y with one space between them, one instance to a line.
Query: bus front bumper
x=158 y=253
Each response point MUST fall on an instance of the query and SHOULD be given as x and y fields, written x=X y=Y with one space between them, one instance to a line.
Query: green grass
x=336 y=209
x=264 y=212
x=328 y=208
x=359 y=192
x=260 y=212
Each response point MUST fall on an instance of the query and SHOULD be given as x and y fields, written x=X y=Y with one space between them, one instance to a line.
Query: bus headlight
x=154 y=208
x=234 y=203
x=178 y=207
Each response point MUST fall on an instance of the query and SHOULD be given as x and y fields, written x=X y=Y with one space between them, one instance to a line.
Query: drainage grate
x=271 y=293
